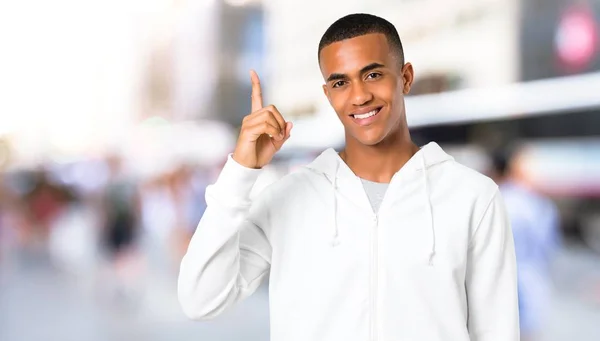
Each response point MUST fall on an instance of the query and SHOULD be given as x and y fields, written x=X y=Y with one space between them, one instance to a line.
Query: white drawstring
x=336 y=233
x=429 y=209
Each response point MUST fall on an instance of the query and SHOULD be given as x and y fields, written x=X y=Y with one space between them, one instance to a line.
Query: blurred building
x=240 y=48
x=559 y=38
x=198 y=68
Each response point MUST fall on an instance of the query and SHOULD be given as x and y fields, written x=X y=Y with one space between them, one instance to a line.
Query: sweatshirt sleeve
x=491 y=279
x=228 y=255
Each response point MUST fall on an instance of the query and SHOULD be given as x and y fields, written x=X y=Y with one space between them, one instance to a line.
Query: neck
x=379 y=162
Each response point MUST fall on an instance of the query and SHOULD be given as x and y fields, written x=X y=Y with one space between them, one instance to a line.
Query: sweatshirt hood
x=330 y=163
x=332 y=167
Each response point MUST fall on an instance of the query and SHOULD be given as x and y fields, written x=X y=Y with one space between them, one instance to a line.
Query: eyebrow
x=338 y=76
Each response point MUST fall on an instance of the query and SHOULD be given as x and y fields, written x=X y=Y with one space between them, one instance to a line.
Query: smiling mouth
x=366 y=115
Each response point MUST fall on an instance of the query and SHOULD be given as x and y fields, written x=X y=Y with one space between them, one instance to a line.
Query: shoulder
x=466 y=181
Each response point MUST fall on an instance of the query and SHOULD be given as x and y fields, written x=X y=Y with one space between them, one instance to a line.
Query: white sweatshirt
x=435 y=263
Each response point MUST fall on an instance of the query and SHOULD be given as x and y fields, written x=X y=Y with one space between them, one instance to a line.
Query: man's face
x=365 y=84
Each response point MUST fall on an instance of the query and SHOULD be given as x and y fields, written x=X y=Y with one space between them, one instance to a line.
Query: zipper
x=374 y=277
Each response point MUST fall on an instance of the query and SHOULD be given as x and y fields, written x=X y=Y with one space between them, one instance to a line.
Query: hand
x=263 y=132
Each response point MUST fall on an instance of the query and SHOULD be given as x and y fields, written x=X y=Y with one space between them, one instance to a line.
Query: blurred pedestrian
x=535 y=224
x=121 y=216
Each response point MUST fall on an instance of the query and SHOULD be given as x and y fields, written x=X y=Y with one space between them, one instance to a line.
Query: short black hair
x=502 y=157
x=358 y=24
x=499 y=162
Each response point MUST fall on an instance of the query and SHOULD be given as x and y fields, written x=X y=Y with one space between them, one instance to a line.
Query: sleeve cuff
x=236 y=180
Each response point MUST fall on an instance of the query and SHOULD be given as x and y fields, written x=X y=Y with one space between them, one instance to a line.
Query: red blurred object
x=576 y=38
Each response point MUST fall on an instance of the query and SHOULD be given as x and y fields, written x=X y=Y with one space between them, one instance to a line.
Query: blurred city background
x=115 y=115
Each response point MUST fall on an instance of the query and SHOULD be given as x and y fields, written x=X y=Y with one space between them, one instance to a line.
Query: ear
x=408 y=76
x=326 y=92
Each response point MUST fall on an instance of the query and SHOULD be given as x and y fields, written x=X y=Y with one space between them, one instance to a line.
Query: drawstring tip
x=431 y=258
x=335 y=242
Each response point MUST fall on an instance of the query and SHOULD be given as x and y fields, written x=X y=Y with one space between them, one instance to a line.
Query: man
x=535 y=224
x=383 y=241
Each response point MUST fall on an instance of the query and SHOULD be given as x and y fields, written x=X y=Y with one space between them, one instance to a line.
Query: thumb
x=288 y=129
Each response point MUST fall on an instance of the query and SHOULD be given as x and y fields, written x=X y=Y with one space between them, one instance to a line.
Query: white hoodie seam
x=255 y=251
x=487 y=208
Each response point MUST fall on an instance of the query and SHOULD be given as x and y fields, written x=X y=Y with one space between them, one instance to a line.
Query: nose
x=360 y=94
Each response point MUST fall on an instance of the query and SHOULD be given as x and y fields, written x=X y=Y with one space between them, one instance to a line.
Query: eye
x=373 y=75
x=338 y=84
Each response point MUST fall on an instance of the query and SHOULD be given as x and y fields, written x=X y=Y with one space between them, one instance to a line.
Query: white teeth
x=363 y=116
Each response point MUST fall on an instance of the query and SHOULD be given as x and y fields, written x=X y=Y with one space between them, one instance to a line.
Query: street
x=40 y=303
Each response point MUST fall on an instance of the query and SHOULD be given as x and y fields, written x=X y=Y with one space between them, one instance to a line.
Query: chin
x=370 y=139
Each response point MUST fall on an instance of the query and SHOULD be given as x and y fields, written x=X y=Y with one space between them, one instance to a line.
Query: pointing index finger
x=256 y=91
